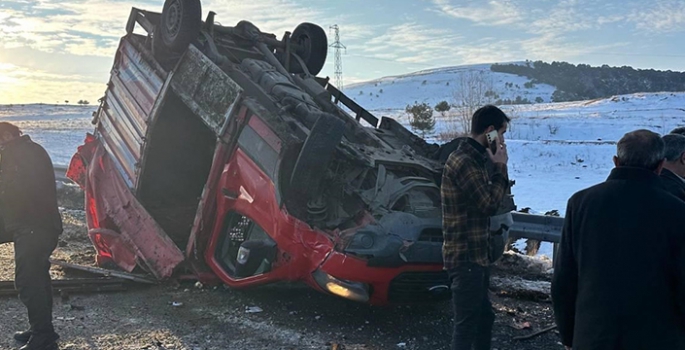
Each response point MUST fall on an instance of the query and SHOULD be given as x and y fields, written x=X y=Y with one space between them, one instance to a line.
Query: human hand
x=501 y=156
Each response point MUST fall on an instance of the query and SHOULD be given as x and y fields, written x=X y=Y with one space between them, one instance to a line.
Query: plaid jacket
x=469 y=198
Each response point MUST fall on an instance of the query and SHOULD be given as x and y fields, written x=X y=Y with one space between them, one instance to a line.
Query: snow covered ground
x=555 y=149
x=60 y=129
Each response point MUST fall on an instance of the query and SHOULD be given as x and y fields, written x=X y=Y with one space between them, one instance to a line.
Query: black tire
x=314 y=48
x=315 y=156
x=180 y=23
x=166 y=58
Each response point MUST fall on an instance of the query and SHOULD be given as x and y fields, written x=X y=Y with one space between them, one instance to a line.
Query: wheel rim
x=173 y=15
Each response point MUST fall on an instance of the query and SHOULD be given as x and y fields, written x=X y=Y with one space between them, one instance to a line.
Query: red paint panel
x=112 y=206
x=301 y=249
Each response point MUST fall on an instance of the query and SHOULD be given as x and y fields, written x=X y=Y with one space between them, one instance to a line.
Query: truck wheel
x=313 y=48
x=315 y=156
x=166 y=58
x=180 y=24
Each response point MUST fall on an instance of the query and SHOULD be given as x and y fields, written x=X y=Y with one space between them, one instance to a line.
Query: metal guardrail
x=539 y=227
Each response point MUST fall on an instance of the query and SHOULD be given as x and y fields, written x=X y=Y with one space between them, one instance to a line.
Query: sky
x=52 y=51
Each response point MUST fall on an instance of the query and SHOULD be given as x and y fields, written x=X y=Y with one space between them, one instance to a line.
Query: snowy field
x=60 y=129
x=555 y=149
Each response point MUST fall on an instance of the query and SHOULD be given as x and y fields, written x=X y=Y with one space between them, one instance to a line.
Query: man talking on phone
x=474 y=185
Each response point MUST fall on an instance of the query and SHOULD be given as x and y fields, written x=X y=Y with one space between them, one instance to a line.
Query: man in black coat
x=619 y=276
x=31 y=219
x=673 y=175
x=679 y=130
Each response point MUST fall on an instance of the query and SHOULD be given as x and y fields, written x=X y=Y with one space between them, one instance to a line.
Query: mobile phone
x=492 y=138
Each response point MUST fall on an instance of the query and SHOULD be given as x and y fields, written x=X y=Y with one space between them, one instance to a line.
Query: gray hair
x=675 y=146
x=641 y=149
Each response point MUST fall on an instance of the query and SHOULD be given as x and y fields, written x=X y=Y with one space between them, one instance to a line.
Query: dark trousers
x=473 y=315
x=32 y=250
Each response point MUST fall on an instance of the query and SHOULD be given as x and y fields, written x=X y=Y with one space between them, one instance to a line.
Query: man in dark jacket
x=474 y=186
x=619 y=276
x=28 y=206
x=679 y=130
x=673 y=175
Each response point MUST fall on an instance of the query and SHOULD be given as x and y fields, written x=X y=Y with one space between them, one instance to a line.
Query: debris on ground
x=253 y=309
x=517 y=287
x=534 y=334
x=520 y=325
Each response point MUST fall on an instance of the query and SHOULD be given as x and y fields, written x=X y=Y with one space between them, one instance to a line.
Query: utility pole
x=338 y=60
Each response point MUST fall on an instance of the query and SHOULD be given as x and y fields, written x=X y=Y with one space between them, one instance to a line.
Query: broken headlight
x=356 y=291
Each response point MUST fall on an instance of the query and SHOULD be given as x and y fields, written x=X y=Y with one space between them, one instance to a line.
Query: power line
x=338 y=59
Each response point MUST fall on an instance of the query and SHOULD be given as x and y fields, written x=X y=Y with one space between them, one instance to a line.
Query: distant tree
x=529 y=85
x=471 y=94
x=380 y=91
x=442 y=106
x=583 y=82
x=421 y=115
x=66 y=101
x=83 y=102
x=539 y=100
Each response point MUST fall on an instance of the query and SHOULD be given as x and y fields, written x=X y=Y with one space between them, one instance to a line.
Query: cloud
x=663 y=16
x=494 y=12
x=412 y=43
x=22 y=85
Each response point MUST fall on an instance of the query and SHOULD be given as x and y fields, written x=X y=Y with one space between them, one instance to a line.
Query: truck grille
x=419 y=286
x=431 y=235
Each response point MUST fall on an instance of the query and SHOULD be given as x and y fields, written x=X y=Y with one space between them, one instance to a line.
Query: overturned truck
x=218 y=152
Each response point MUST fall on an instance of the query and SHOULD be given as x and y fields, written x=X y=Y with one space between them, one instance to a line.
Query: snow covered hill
x=442 y=84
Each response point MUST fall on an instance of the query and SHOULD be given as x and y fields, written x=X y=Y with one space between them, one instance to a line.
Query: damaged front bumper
x=399 y=239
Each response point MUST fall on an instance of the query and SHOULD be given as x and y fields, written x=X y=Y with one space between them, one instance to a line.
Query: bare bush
x=472 y=93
